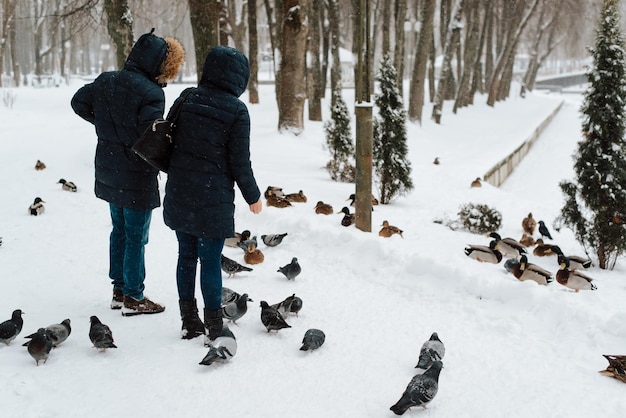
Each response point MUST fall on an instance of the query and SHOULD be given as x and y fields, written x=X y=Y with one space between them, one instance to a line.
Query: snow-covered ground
x=514 y=348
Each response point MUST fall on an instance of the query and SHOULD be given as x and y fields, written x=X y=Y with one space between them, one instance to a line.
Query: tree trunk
x=469 y=55
x=120 y=28
x=398 y=59
x=253 y=54
x=292 y=72
x=314 y=75
x=424 y=44
x=385 y=46
x=489 y=59
x=477 y=77
x=8 y=9
x=454 y=33
x=335 y=43
x=204 y=20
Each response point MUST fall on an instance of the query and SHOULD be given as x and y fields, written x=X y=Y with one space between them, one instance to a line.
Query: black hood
x=147 y=56
x=227 y=69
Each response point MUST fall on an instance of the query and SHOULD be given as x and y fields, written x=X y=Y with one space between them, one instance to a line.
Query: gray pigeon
x=236 y=309
x=39 y=345
x=243 y=244
x=273 y=240
x=431 y=351
x=223 y=348
x=100 y=334
x=271 y=318
x=420 y=391
x=229 y=295
x=231 y=267
x=291 y=304
x=10 y=328
x=57 y=333
x=291 y=270
x=313 y=339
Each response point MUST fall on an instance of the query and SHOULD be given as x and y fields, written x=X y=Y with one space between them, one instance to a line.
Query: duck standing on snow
x=348 y=218
x=37 y=208
x=616 y=367
x=529 y=224
x=508 y=246
x=476 y=183
x=573 y=279
x=322 y=208
x=67 y=185
x=389 y=230
x=39 y=165
x=296 y=197
x=484 y=254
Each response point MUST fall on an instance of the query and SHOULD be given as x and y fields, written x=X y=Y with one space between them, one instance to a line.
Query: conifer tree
x=339 y=140
x=596 y=200
x=393 y=169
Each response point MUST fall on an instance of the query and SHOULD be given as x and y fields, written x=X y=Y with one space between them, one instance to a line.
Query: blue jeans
x=127 y=242
x=209 y=251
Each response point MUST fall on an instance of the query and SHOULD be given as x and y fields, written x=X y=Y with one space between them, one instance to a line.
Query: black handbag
x=156 y=144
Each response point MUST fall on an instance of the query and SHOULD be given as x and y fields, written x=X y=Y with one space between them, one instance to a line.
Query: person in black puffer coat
x=121 y=105
x=211 y=154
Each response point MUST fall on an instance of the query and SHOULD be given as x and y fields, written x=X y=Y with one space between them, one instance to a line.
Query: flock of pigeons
x=569 y=273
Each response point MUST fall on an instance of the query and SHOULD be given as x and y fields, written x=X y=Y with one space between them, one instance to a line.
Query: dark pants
x=127 y=243
x=209 y=251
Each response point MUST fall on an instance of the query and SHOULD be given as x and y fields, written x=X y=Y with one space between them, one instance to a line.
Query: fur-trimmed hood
x=158 y=58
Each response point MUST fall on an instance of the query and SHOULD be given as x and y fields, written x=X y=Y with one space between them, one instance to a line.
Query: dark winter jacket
x=212 y=150
x=121 y=105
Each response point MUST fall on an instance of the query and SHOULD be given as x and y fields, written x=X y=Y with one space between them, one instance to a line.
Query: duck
x=67 y=185
x=388 y=230
x=296 y=197
x=348 y=218
x=575 y=262
x=524 y=270
x=277 y=202
x=508 y=246
x=352 y=199
x=39 y=165
x=37 y=208
x=483 y=253
x=476 y=183
x=542 y=249
x=527 y=240
x=253 y=255
x=529 y=224
x=436 y=161
x=322 y=208
x=573 y=279
x=616 y=367
x=274 y=191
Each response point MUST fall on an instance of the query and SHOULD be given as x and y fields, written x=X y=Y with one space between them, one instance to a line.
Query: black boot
x=213 y=323
x=192 y=325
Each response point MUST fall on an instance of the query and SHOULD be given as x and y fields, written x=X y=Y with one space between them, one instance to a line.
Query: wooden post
x=364 y=122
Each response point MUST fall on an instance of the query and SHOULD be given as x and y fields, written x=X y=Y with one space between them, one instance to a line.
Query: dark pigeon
x=273 y=240
x=10 y=328
x=420 y=391
x=229 y=295
x=243 y=244
x=58 y=333
x=291 y=270
x=313 y=339
x=231 y=267
x=431 y=351
x=39 y=346
x=100 y=334
x=271 y=318
x=223 y=348
x=291 y=304
x=543 y=230
x=236 y=309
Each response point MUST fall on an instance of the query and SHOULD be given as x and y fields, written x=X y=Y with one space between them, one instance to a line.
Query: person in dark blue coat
x=121 y=105
x=211 y=154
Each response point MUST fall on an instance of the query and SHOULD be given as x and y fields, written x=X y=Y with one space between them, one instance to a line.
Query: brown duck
x=573 y=279
x=389 y=230
x=529 y=224
x=616 y=367
x=542 y=249
x=253 y=255
x=296 y=197
x=277 y=202
x=322 y=208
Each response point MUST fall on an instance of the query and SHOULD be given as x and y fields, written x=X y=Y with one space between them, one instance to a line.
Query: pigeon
x=291 y=270
x=243 y=244
x=57 y=333
x=291 y=304
x=67 y=185
x=10 y=328
x=313 y=339
x=543 y=230
x=431 y=351
x=236 y=309
x=229 y=295
x=39 y=346
x=273 y=240
x=100 y=334
x=231 y=267
x=223 y=348
x=37 y=208
x=420 y=391
x=271 y=318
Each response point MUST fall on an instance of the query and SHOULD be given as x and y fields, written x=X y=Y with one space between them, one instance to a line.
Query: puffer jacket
x=212 y=150
x=121 y=105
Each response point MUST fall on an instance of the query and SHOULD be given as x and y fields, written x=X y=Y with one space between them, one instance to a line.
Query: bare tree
x=8 y=17
x=253 y=54
x=204 y=18
x=398 y=58
x=469 y=56
x=314 y=71
x=424 y=45
x=120 y=27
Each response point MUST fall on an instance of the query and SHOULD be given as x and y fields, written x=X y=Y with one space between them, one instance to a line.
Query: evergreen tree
x=393 y=169
x=596 y=199
x=339 y=140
